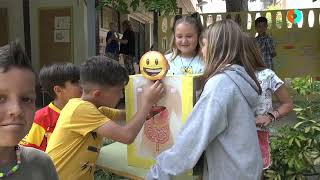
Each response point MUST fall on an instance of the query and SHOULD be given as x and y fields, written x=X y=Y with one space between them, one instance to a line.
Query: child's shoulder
x=266 y=71
x=77 y=102
x=79 y=105
x=264 y=37
x=34 y=156
x=265 y=74
x=198 y=58
x=168 y=56
x=42 y=113
x=38 y=161
x=42 y=110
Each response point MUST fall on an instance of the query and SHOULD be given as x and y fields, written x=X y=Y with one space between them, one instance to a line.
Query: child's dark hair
x=102 y=71
x=12 y=55
x=193 y=19
x=58 y=75
x=260 y=20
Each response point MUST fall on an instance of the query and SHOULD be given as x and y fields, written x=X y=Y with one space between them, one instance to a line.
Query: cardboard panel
x=159 y=132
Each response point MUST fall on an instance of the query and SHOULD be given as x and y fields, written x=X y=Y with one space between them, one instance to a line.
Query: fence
x=297 y=45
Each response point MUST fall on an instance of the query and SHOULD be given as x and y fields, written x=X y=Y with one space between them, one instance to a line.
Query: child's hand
x=153 y=93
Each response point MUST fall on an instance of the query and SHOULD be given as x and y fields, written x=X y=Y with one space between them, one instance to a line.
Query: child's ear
x=57 y=90
x=96 y=93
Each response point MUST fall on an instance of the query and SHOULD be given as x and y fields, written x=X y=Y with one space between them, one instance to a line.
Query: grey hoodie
x=222 y=126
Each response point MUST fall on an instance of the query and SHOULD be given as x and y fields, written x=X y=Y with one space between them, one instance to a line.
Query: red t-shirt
x=45 y=121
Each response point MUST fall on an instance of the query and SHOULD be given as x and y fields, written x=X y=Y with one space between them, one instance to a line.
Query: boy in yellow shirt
x=74 y=145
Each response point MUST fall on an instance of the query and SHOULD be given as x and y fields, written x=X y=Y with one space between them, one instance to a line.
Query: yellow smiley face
x=153 y=65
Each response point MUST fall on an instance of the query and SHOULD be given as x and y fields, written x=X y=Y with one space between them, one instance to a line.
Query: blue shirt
x=113 y=46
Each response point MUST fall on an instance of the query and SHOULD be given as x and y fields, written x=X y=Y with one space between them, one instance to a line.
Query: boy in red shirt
x=61 y=82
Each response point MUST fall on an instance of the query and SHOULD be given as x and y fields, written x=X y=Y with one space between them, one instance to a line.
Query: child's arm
x=113 y=114
x=127 y=133
x=286 y=104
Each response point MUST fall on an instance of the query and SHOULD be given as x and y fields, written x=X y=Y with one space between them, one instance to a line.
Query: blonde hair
x=252 y=53
x=226 y=46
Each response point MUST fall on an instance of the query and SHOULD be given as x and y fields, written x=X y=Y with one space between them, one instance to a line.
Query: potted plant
x=295 y=149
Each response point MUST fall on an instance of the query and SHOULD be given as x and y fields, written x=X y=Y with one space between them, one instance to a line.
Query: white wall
x=79 y=20
x=15 y=19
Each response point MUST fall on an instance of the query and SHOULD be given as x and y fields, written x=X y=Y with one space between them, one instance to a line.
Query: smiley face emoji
x=153 y=65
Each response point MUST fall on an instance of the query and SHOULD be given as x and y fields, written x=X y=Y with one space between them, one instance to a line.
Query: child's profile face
x=186 y=38
x=261 y=27
x=17 y=105
x=110 y=96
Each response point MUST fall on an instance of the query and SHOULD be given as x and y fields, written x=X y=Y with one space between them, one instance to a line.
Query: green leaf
x=279 y=177
x=298 y=124
x=314 y=154
x=307 y=129
x=301 y=137
x=309 y=142
x=163 y=6
x=291 y=141
x=308 y=159
x=134 y=4
x=316 y=128
x=316 y=161
x=293 y=177
x=298 y=109
x=297 y=142
x=313 y=121
x=301 y=117
x=290 y=163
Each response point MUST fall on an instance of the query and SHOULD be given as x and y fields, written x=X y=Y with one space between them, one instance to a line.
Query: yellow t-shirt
x=73 y=135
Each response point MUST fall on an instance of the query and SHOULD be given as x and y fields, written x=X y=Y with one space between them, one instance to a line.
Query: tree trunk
x=26 y=20
x=97 y=28
x=236 y=5
x=155 y=31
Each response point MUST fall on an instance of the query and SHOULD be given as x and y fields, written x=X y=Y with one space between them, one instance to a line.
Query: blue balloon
x=298 y=17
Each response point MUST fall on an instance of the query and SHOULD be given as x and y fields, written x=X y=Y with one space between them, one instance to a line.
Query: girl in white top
x=185 y=57
x=270 y=85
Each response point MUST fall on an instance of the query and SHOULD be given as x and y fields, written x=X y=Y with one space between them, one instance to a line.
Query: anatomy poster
x=164 y=120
